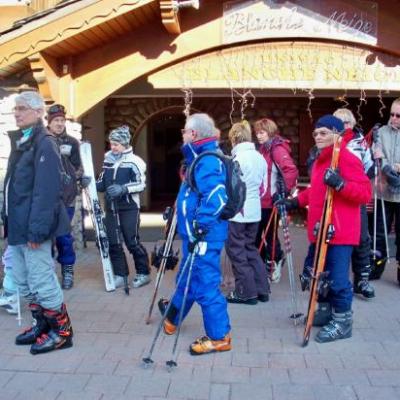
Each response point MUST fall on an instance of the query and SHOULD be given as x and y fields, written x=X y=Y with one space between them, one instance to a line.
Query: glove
x=333 y=179
x=115 y=191
x=85 y=181
x=289 y=204
x=392 y=177
x=199 y=234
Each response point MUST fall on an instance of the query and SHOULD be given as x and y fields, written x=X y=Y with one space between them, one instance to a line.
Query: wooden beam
x=37 y=35
x=169 y=17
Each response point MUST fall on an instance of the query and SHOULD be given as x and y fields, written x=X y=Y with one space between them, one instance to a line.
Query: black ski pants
x=129 y=231
x=266 y=252
x=248 y=268
x=360 y=258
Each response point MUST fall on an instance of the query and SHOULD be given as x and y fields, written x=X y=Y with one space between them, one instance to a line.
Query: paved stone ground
x=267 y=361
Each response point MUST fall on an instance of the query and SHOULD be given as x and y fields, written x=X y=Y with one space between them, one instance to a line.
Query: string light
x=381 y=103
x=363 y=99
x=188 y=98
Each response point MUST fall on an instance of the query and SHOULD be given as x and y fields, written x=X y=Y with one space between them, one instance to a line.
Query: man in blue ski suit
x=203 y=235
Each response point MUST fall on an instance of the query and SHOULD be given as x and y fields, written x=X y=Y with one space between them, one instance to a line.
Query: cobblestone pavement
x=267 y=361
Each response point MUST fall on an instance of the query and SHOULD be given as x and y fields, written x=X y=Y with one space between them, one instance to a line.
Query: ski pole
x=161 y=270
x=173 y=361
x=375 y=207
x=266 y=230
x=148 y=360
x=274 y=235
x=118 y=235
x=289 y=257
x=19 y=318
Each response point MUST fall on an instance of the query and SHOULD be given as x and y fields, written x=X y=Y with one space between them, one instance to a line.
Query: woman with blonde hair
x=251 y=283
x=282 y=177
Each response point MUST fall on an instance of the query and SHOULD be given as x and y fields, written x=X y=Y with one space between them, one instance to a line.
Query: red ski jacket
x=277 y=154
x=346 y=203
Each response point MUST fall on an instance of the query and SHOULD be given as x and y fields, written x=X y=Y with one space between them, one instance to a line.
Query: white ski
x=97 y=216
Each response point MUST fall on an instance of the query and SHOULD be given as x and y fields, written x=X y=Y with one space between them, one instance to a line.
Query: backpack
x=234 y=184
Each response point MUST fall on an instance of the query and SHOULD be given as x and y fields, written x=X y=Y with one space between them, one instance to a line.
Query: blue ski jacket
x=204 y=205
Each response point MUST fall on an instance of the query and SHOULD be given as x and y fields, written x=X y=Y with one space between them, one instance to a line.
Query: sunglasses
x=395 y=115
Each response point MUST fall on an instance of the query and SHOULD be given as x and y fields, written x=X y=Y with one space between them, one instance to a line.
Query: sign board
x=15 y=2
x=283 y=65
x=354 y=21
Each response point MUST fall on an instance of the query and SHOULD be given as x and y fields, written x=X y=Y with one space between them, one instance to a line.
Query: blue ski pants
x=204 y=289
x=65 y=244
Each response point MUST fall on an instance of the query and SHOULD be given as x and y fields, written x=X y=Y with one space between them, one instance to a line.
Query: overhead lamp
x=177 y=5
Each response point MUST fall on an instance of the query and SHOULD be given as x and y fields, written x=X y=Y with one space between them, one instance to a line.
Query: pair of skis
x=321 y=247
x=97 y=216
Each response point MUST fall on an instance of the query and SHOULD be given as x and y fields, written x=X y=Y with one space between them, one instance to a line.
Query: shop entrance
x=165 y=141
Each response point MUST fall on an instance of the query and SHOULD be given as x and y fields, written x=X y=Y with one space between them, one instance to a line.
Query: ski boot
x=162 y=305
x=339 y=327
x=169 y=326
x=323 y=314
x=362 y=286
x=39 y=327
x=60 y=334
x=67 y=272
x=205 y=345
x=377 y=267
x=398 y=273
x=141 y=280
x=234 y=298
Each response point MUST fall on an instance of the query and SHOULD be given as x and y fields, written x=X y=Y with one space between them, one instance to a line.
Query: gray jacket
x=389 y=140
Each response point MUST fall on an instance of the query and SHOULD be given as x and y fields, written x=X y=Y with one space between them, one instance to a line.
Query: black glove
x=85 y=181
x=289 y=204
x=199 y=234
x=115 y=191
x=333 y=179
x=392 y=177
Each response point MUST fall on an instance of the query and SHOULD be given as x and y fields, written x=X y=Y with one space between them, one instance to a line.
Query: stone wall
x=7 y=123
x=136 y=111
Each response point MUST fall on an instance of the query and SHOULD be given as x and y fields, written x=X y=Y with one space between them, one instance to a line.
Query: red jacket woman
x=282 y=176
x=346 y=203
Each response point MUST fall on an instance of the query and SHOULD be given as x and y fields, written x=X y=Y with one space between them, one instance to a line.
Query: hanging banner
x=354 y=21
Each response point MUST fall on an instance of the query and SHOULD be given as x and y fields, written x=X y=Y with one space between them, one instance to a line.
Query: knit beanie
x=330 y=122
x=56 y=110
x=120 y=135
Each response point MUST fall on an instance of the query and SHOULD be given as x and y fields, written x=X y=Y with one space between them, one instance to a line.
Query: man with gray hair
x=33 y=186
x=203 y=234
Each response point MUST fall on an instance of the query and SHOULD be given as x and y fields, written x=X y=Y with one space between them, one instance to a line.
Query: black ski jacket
x=33 y=210
x=71 y=161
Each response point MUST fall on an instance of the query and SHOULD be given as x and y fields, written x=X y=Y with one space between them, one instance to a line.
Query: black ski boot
x=362 y=286
x=60 y=334
x=398 y=273
x=162 y=305
x=39 y=326
x=377 y=268
x=323 y=314
x=339 y=327
x=67 y=276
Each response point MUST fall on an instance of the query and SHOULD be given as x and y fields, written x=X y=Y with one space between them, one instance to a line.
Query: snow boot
x=39 y=327
x=339 y=327
x=60 y=334
x=67 y=272
x=205 y=345
x=362 y=286
x=9 y=302
x=323 y=314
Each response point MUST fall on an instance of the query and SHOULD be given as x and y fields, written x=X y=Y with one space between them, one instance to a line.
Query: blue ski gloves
x=85 y=181
x=199 y=234
x=333 y=179
x=115 y=191
x=289 y=204
x=392 y=177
